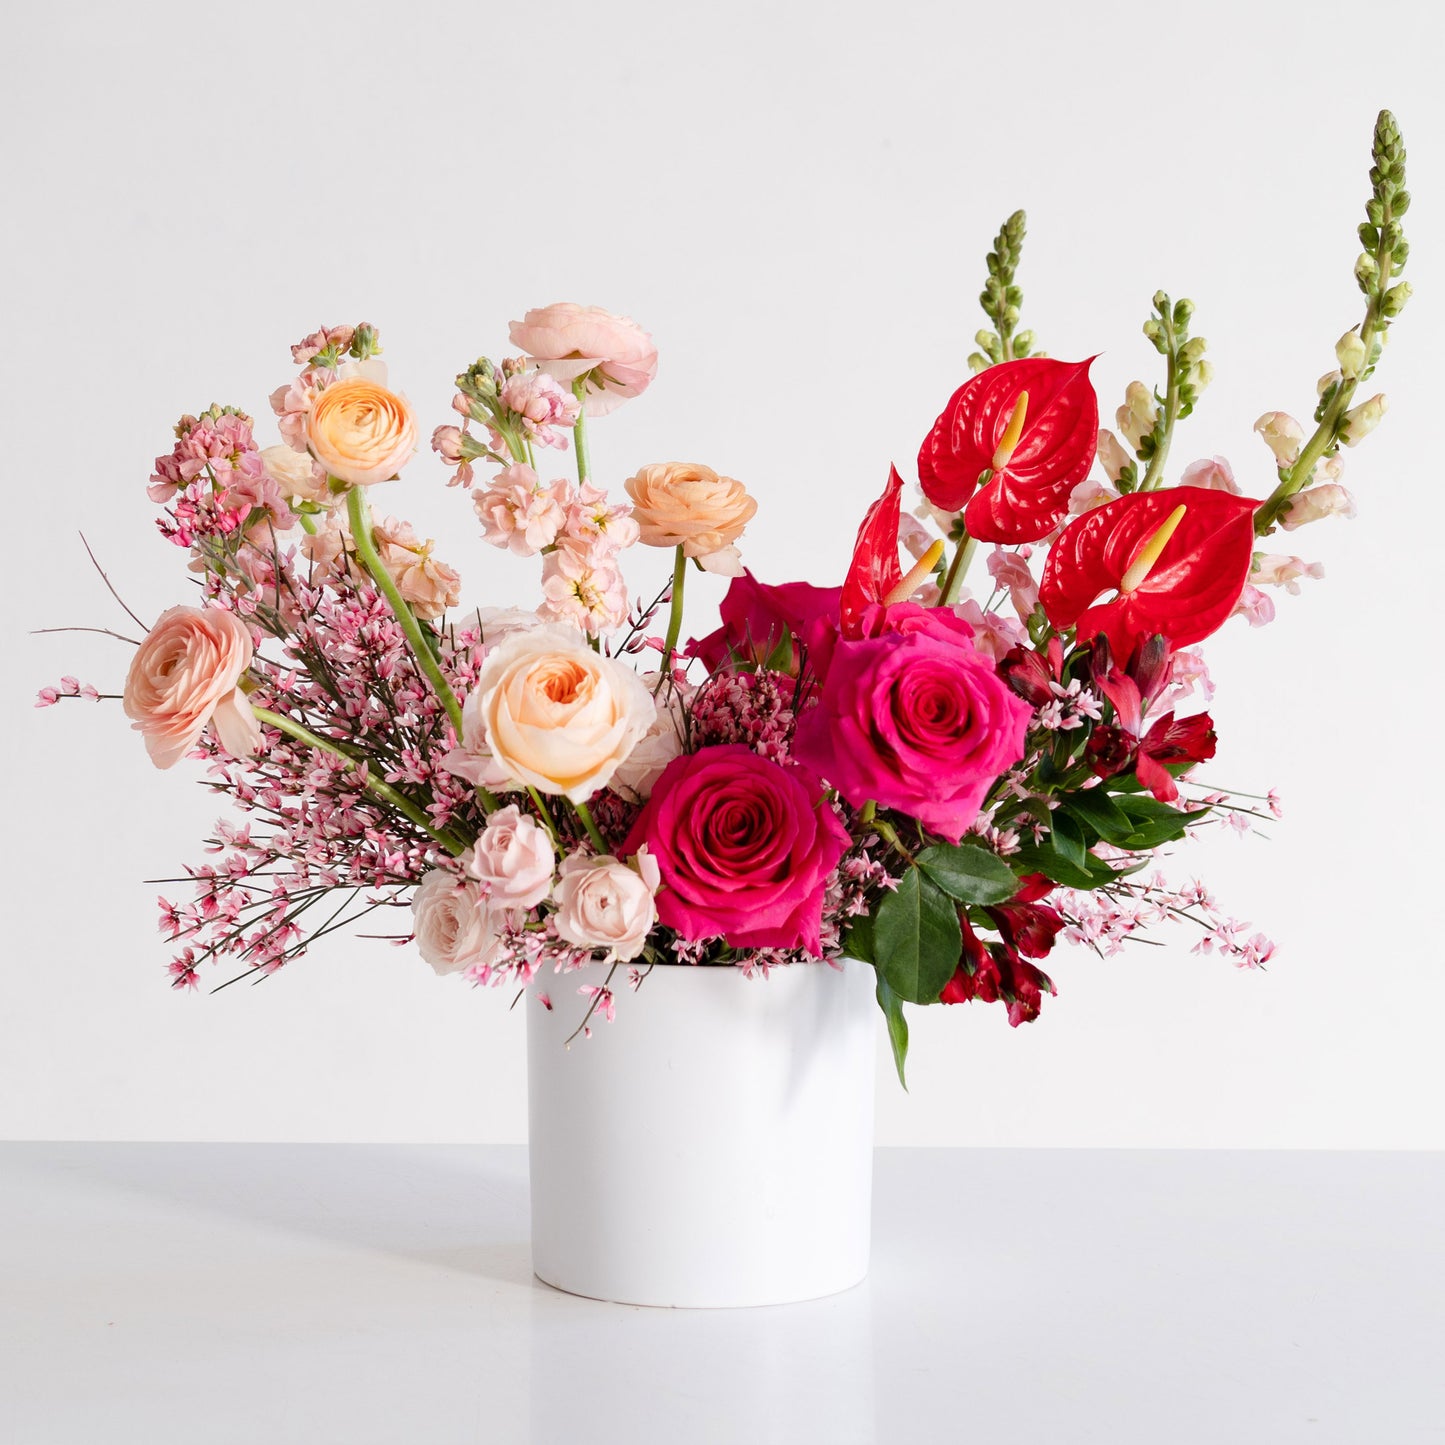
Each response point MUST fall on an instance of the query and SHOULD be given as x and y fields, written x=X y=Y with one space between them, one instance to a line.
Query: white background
x=796 y=201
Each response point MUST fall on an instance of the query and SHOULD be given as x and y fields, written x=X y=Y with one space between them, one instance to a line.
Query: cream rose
x=296 y=474
x=658 y=746
x=513 y=859
x=450 y=919
x=555 y=715
x=567 y=341
x=683 y=504
x=185 y=675
x=603 y=903
x=360 y=431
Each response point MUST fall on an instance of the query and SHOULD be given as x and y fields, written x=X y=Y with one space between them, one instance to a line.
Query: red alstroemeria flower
x=1038 y=452
x=1184 y=591
x=875 y=576
x=1186 y=740
x=995 y=971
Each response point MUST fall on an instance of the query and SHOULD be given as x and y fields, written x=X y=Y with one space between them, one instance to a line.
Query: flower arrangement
x=936 y=777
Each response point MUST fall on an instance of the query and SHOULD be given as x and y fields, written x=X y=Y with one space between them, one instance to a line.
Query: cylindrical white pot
x=713 y=1145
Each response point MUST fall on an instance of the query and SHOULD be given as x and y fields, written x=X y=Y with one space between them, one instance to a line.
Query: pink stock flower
x=912 y=716
x=517 y=512
x=513 y=858
x=744 y=847
x=595 y=524
x=1329 y=499
x=1275 y=570
x=542 y=405
x=306 y=349
x=446 y=442
x=584 y=589
x=613 y=353
x=429 y=586
x=185 y=675
x=292 y=404
x=1213 y=473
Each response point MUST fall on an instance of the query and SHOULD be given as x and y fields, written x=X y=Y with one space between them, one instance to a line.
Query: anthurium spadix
x=1172 y=562
x=1034 y=425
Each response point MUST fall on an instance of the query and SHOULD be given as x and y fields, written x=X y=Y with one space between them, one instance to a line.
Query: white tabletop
x=340 y=1295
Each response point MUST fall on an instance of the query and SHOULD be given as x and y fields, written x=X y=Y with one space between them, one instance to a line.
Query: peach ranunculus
x=552 y=714
x=361 y=431
x=684 y=504
x=185 y=675
x=567 y=341
x=453 y=927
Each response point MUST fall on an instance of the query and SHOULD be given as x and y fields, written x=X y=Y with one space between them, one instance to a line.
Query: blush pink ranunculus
x=913 y=716
x=567 y=341
x=185 y=675
x=744 y=846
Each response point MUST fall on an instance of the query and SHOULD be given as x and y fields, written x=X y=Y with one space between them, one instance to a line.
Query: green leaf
x=1044 y=858
x=916 y=938
x=859 y=941
x=1153 y=822
x=892 y=1007
x=1096 y=808
x=969 y=873
x=1068 y=840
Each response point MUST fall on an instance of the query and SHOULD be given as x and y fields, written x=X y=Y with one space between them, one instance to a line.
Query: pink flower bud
x=1329 y=500
x=1283 y=435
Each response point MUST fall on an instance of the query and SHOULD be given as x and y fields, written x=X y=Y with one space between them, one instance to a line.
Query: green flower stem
x=957 y=571
x=359 y=515
x=579 y=432
x=590 y=823
x=674 y=616
x=541 y=806
x=379 y=789
x=1164 y=432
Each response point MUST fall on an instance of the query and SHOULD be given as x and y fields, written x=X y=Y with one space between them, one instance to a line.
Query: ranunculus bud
x=1139 y=415
x=1350 y=353
x=1360 y=421
x=1327 y=500
x=1112 y=456
x=1283 y=435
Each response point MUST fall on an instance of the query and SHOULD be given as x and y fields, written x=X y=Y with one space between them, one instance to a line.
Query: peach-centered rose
x=184 y=676
x=567 y=341
x=555 y=715
x=684 y=504
x=360 y=431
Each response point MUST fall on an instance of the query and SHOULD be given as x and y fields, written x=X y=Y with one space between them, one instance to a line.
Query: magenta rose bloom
x=913 y=717
x=745 y=846
x=755 y=615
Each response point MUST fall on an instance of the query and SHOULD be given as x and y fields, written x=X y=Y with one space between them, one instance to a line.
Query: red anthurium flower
x=1034 y=424
x=874 y=575
x=1176 y=559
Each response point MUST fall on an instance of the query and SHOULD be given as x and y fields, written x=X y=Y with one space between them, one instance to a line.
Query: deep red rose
x=744 y=845
x=757 y=615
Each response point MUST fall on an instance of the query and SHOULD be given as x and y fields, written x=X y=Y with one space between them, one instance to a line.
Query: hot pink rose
x=913 y=717
x=567 y=341
x=755 y=616
x=184 y=676
x=745 y=847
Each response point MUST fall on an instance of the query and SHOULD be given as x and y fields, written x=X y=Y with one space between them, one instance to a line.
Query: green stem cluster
x=377 y=787
x=1001 y=299
x=1186 y=373
x=579 y=432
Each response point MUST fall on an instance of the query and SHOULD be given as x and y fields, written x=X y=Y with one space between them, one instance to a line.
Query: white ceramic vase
x=713 y=1146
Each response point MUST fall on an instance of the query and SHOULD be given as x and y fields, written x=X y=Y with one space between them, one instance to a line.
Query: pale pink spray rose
x=449 y=917
x=1315 y=503
x=1283 y=435
x=513 y=859
x=567 y=341
x=603 y=903
x=185 y=675
x=1214 y=474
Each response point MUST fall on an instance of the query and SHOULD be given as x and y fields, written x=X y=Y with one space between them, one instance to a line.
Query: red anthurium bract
x=1188 y=592
x=875 y=570
x=1028 y=496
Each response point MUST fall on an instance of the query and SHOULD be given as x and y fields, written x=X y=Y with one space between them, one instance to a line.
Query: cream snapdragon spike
x=936 y=770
